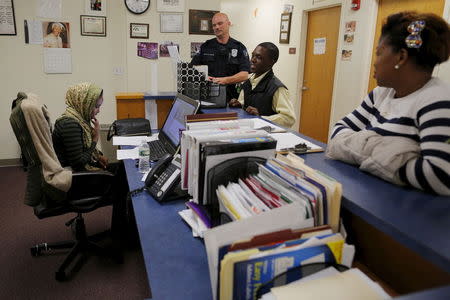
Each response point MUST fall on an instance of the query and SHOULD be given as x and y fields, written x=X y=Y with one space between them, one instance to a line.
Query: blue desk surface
x=176 y=262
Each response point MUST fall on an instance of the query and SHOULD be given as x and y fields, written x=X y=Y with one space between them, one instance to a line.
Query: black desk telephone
x=163 y=181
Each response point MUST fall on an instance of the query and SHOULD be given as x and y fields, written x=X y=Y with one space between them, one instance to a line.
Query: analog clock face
x=137 y=6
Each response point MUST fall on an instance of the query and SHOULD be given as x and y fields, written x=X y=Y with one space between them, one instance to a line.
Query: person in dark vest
x=263 y=94
x=226 y=58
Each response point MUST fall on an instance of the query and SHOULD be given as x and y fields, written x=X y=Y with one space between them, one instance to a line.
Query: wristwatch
x=137 y=6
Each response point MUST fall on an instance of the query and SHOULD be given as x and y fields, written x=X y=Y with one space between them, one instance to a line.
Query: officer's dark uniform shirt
x=223 y=60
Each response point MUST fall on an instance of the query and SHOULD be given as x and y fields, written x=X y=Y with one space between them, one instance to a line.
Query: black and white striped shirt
x=424 y=117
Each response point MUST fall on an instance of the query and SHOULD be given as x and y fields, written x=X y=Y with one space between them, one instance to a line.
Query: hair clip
x=414 y=40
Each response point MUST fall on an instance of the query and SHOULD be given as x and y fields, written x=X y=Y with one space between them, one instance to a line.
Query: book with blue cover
x=243 y=272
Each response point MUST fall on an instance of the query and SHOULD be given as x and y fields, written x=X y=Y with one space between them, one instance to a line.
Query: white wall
x=93 y=59
x=351 y=77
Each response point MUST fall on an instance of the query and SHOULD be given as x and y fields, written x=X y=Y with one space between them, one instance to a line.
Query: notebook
x=169 y=136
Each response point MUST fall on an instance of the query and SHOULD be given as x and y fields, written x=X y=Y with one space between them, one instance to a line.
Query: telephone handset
x=163 y=178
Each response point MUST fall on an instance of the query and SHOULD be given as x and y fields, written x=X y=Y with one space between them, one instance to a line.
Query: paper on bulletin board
x=320 y=45
x=57 y=60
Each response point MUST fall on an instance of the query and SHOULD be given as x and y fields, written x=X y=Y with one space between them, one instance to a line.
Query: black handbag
x=133 y=126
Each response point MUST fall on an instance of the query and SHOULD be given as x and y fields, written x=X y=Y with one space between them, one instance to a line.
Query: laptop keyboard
x=157 y=150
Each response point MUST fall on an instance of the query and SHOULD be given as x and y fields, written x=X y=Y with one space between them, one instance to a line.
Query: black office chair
x=58 y=191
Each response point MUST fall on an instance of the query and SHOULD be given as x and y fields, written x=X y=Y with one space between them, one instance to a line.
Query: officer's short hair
x=274 y=53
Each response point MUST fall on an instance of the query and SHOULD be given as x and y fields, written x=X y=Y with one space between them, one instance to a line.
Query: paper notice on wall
x=49 y=9
x=33 y=30
x=320 y=45
x=57 y=60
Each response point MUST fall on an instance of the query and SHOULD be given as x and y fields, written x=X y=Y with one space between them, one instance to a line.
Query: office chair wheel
x=60 y=275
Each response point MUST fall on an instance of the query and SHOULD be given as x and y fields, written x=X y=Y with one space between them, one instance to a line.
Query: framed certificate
x=139 y=31
x=93 y=25
x=171 y=22
x=7 y=18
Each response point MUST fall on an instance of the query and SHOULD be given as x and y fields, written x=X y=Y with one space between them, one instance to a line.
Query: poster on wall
x=147 y=50
x=320 y=45
x=346 y=55
x=350 y=26
x=7 y=18
x=164 y=48
x=56 y=34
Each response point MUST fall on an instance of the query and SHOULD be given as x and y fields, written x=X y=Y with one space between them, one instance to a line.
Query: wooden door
x=388 y=7
x=317 y=91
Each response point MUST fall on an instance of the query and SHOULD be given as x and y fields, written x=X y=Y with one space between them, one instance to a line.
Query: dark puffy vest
x=262 y=95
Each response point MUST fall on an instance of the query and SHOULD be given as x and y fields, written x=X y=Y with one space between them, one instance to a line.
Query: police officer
x=227 y=58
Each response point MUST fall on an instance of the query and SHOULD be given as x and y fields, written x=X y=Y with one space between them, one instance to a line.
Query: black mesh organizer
x=228 y=171
x=193 y=84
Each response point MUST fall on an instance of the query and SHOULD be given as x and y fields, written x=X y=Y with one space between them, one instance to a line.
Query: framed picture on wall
x=171 y=22
x=170 y=5
x=200 y=21
x=93 y=25
x=7 y=18
x=285 y=28
x=95 y=7
x=139 y=31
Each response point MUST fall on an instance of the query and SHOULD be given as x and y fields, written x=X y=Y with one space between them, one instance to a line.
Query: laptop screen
x=181 y=107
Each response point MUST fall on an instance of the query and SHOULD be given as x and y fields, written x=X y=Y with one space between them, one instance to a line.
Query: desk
x=176 y=263
x=152 y=106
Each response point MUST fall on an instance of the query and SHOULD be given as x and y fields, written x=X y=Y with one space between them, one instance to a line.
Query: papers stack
x=243 y=267
x=351 y=284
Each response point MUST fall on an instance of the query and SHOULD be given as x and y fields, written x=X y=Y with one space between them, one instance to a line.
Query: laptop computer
x=169 y=136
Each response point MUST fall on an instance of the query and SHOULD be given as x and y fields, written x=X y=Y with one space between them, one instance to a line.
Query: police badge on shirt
x=234 y=52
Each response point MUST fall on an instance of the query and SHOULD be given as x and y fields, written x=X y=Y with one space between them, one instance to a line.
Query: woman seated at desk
x=75 y=139
x=401 y=131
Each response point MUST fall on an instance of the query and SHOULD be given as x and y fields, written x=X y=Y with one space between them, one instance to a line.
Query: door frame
x=371 y=6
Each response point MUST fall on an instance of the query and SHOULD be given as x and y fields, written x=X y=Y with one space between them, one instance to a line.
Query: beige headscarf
x=81 y=100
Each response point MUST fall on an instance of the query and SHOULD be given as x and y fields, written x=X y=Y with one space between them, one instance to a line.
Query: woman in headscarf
x=75 y=139
x=76 y=132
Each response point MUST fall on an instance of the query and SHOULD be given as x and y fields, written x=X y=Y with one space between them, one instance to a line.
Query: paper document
x=260 y=123
x=132 y=140
x=205 y=103
x=173 y=52
x=289 y=140
x=128 y=153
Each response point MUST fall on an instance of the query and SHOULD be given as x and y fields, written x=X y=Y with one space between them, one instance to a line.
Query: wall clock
x=137 y=6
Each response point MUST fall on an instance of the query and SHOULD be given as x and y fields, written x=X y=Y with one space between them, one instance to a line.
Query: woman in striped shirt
x=401 y=131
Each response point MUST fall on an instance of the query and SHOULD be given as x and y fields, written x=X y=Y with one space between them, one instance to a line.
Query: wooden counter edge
x=129 y=96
